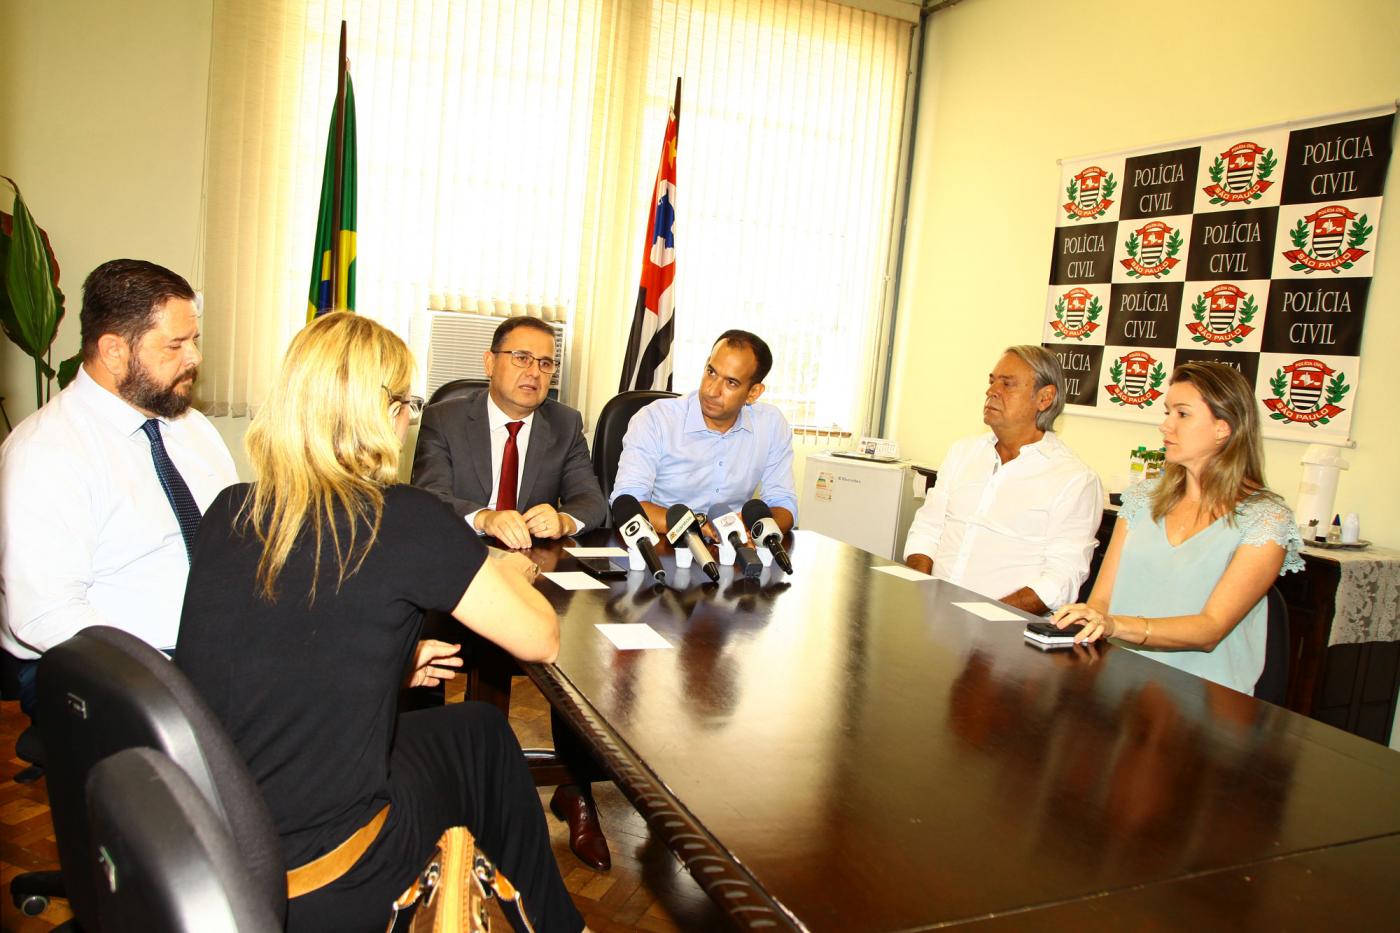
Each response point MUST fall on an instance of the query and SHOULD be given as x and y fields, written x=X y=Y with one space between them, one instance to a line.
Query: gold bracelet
x=1147 y=629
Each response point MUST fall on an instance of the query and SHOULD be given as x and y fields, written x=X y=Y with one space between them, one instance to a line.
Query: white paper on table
x=574 y=580
x=629 y=636
x=903 y=572
x=990 y=611
x=595 y=552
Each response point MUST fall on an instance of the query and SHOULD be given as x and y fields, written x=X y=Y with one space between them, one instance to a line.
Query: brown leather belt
x=321 y=871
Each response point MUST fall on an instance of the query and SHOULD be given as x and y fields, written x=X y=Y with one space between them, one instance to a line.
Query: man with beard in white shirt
x=1014 y=512
x=101 y=490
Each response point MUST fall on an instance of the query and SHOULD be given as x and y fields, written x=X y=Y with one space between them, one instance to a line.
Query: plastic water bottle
x=1137 y=465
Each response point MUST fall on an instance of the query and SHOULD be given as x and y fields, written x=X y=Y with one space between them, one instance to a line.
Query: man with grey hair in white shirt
x=101 y=490
x=1014 y=512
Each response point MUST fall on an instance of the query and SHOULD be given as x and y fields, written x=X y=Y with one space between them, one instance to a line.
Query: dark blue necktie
x=186 y=511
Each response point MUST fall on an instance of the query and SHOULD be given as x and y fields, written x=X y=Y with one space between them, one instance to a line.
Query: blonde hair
x=323 y=444
x=1236 y=472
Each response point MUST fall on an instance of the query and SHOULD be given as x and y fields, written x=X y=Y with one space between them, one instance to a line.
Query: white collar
x=1048 y=445
x=109 y=407
x=499 y=419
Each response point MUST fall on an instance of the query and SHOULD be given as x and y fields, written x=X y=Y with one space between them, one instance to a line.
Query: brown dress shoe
x=585 y=835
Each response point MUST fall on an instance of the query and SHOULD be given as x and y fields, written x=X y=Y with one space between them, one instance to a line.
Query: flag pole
x=677 y=110
x=338 y=185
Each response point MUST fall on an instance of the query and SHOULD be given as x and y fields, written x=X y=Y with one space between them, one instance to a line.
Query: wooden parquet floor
x=646 y=889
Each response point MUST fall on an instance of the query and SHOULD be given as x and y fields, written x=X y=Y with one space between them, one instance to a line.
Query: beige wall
x=102 y=125
x=1010 y=86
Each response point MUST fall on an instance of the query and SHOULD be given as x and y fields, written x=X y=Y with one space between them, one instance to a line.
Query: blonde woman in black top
x=306 y=595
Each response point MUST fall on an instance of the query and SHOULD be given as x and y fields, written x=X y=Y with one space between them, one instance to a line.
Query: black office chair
x=1273 y=681
x=27 y=747
x=166 y=861
x=105 y=690
x=456 y=389
x=612 y=425
x=1095 y=563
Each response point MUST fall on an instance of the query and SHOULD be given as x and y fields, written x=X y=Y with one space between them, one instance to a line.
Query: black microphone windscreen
x=755 y=510
x=675 y=514
x=624 y=508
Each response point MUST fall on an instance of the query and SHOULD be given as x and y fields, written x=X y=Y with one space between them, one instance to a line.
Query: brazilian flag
x=333 y=266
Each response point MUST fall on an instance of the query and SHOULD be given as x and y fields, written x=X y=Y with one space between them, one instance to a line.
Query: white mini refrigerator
x=863 y=503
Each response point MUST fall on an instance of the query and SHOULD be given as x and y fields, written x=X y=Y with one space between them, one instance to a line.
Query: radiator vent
x=449 y=345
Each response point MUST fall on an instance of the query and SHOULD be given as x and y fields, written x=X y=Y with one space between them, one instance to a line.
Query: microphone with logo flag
x=764 y=530
x=731 y=527
x=638 y=534
x=681 y=523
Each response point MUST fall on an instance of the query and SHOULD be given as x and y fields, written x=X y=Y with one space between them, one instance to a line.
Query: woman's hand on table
x=1096 y=624
x=516 y=562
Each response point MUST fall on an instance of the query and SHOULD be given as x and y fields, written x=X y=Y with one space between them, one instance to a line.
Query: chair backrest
x=612 y=425
x=165 y=860
x=1095 y=563
x=104 y=690
x=456 y=389
x=1273 y=681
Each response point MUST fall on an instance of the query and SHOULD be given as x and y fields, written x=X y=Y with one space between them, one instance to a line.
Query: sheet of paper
x=574 y=580
x=595 y=552
x=903 y=572
x=629 y=636
x=990 y=611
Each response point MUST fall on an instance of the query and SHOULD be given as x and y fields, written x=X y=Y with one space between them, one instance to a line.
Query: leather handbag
x=451 y=893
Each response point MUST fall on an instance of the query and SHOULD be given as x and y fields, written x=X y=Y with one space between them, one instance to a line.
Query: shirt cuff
x=471 y=522
x=578 y=525
x=919 y=545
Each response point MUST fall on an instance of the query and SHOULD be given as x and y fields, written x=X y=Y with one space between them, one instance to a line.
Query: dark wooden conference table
x=846 y=750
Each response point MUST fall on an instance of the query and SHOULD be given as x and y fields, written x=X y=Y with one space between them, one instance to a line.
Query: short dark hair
x=122 y=296
x=755 y=345
x=520 y=320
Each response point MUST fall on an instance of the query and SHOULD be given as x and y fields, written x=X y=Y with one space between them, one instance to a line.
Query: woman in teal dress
x=1188 y=570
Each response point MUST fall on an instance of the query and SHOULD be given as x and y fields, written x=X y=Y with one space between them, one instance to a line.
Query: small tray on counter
x=1329 y=546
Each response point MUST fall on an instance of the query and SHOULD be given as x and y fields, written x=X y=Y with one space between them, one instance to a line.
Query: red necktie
x=510 y=469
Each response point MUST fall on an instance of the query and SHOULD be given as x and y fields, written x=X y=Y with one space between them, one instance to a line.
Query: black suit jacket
x=453 y=459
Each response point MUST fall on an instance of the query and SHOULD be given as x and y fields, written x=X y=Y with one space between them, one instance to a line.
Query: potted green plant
x=31 y=303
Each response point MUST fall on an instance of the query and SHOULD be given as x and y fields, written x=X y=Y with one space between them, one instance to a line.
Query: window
x=791 y=127
x=506 y=154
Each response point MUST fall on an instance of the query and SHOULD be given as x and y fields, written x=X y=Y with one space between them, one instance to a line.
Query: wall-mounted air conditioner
x=448 y=345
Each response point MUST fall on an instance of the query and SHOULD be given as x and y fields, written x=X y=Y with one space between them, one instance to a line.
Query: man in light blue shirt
x=716 y=448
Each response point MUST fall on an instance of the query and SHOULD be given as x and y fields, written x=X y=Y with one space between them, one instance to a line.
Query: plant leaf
x=68 y=369
x=29 y=283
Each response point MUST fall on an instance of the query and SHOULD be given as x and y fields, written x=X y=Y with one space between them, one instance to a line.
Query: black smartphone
x=1046 y=635
x=602 y=568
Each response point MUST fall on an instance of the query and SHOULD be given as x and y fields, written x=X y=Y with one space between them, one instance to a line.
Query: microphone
x=746 y=561
x=681 y=523
x=765 y=531
x=637 y=532
x=745 y=557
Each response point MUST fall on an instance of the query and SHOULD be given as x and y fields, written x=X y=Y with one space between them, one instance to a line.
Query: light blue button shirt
x=670 y=456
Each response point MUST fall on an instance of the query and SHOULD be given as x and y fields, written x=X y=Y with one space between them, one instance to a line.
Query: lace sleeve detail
x=1265 y=519
x=1137 y=502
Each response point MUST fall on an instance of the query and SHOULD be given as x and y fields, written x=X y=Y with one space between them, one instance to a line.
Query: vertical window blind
x=790 y=149
x=506 y=153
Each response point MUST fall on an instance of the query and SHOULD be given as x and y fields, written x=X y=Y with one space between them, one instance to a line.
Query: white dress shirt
x=87 y=535
x=995 y=527
x=498 y=420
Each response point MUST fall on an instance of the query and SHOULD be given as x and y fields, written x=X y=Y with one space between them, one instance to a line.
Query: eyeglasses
x=523 y=359
x=415 y=405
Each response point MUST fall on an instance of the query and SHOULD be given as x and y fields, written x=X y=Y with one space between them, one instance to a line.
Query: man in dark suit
x=548 y=489
x=515 y=466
